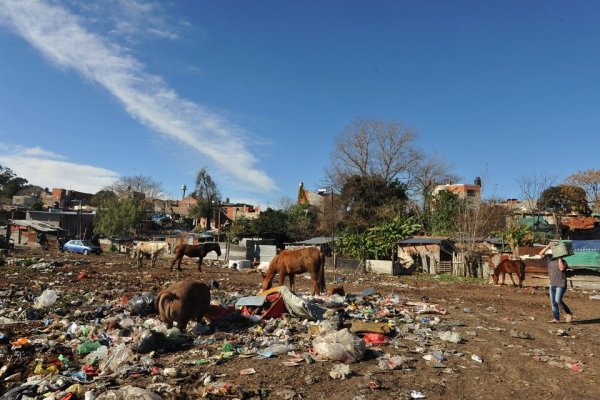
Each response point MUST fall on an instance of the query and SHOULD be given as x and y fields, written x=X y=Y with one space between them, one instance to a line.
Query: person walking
x=558 y=286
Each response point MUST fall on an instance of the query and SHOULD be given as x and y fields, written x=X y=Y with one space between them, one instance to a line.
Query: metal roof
x=317 y=240
x=424 y=240
x=37 y=225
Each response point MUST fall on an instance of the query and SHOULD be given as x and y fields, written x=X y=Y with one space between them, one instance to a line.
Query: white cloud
x=46 y=169
x=61 y=38
x=39 y=152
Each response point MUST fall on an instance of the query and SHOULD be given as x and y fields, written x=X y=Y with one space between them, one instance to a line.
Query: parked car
x=82 y=246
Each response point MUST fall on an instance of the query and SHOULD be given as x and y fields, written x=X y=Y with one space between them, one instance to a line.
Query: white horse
x=149 y=249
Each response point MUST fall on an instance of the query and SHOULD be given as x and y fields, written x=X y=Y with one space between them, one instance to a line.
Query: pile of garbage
x=109 y=338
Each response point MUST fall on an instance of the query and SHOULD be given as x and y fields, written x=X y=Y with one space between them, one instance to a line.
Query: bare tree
x=144 y=186
x=532 y=186
x=474 y=222
x=371 y=147
x=588 y=180
x=285 y=202
x=432 y=171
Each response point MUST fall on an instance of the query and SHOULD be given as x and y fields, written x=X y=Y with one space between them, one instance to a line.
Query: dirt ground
x=523 y=356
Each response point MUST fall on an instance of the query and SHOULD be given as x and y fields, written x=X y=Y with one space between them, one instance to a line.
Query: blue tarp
x=586 y=255
x=586 y=245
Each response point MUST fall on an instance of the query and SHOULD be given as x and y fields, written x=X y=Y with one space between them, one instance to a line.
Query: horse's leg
x=314 y=277
x=200 y=263
x=511 y=278
x=292 y=281
x=503 y=277
x=282 y=275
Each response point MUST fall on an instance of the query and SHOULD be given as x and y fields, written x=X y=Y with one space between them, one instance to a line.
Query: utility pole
x=333 y=236
x=80 y=238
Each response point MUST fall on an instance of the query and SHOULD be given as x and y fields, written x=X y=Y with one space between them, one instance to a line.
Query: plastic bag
x=276 y=349
x=118 y=356
x=46 y=299
x=129 y=393
x=143 y=304
x=340 y=345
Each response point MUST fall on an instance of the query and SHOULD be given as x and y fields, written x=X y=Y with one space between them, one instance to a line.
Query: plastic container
x=562 y=249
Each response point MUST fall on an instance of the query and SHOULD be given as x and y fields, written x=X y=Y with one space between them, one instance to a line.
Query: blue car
x=82 y=246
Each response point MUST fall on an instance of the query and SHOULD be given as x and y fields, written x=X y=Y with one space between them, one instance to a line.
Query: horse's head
x=266 y=284
x=495 y=276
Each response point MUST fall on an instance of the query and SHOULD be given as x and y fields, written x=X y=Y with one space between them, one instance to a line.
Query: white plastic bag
x=118 y=356
x=129 y=393
x=340 y=345
x=47 y=299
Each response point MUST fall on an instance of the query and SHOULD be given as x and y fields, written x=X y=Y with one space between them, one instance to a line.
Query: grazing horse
x=200 y=250
x=510 y=267
x=292 y=262
x=148 y=249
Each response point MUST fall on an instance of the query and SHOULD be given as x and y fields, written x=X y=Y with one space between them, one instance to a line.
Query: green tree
x=102 y=198
x=372 y=199
x=118 y=217
x=208 y=196
x=517 y=235
x=14 y=185
x=271 y=224
x=564 y=199
x=38 y=205
x=301 y=222
x=10 y=183
x=377 y=242
x=238 y=229
x=447 y=207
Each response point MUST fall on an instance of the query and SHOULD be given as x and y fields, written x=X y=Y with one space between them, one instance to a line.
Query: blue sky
x=257 y=91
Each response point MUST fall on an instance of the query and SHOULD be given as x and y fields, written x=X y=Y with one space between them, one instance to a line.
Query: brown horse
x=510 y=267
x=200 y=250
x=292 y=262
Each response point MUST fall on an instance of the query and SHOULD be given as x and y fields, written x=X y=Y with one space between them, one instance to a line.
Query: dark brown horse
x=510 y=267
x=200 y=250
x=292 y=262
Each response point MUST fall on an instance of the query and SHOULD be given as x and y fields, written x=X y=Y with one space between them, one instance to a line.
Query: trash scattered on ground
x=340 y=371
x=85 y=343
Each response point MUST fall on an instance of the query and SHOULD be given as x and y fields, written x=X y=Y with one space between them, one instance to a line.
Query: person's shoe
x=568 y=318
x=554 y=321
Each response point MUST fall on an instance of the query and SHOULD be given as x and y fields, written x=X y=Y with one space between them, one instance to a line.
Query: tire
x=85 y=252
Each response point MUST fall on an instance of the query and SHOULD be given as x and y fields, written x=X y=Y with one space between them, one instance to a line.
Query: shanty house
x=429 y=254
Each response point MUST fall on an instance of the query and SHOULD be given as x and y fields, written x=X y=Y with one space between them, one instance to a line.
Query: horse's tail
x=522 y=271
x=321 y=272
